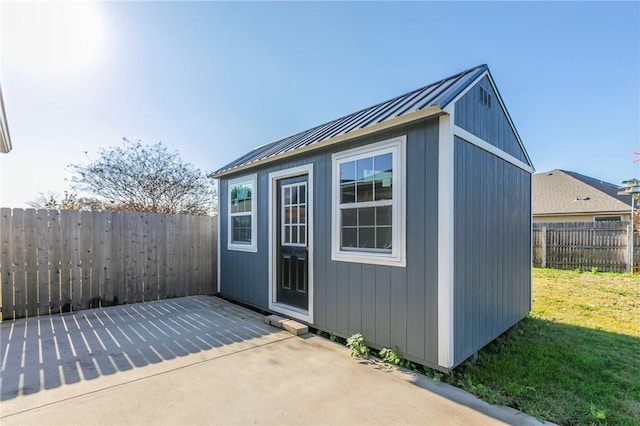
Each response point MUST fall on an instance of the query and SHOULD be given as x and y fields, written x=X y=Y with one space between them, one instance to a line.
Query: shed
x=408 y=221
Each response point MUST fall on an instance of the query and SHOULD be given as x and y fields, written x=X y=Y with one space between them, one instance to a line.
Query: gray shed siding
x=492 y=247
x=490 y=124
x=391 y=306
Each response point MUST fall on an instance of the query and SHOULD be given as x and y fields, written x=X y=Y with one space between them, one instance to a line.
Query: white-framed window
x=242 y=226
x=368 y=205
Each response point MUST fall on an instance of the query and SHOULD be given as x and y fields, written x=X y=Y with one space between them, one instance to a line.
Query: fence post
x=544 y=246
x=629 y=248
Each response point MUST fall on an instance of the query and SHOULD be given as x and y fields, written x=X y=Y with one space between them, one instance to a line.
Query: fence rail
x=585 y=245
x=57 y=261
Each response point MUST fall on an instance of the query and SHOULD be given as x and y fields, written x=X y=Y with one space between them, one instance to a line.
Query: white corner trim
x=492 y=149
x=290 y=311
x=445 y=239
x=253 y=246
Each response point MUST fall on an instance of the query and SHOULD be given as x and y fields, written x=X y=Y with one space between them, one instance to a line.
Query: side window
x=368 y=204
x=242 y=229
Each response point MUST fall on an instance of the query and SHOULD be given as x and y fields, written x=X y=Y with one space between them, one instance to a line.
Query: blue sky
x=213 y=80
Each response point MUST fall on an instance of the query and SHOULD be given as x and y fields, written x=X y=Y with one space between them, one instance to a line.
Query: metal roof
x=565 y=192
x=439 y=94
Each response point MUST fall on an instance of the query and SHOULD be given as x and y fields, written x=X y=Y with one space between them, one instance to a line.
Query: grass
x=575 y=360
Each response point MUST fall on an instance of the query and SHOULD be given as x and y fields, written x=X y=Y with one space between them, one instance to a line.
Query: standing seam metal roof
x=438 y=94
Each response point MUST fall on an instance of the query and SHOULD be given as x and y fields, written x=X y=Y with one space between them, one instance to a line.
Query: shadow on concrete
x=49 y=352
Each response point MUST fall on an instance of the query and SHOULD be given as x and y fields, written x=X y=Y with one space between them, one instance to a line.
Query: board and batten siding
x=390 y=306
x=492 y=248
x=489 y=124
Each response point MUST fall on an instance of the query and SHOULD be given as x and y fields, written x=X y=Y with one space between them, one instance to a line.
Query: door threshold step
x=293 y=327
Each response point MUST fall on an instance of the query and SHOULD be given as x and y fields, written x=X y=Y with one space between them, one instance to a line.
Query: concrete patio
x=202 y=360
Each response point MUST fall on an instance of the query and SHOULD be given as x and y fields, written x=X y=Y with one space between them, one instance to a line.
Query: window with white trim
x=242 y=229
x=368 y=221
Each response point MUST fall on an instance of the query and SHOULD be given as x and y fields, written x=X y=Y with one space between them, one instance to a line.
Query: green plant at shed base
x=359 y=349
x=392 y=356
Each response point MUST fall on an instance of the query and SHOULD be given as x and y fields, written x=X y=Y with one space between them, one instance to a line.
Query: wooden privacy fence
x=585 y=245
x=57 y=261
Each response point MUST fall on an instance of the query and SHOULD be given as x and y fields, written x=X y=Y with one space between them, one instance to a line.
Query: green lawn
x=574 y=360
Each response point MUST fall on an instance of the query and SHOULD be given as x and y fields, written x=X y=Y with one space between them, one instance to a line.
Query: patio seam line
x=144 y=378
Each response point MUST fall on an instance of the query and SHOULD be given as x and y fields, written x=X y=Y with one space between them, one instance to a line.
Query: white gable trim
x=492 y=149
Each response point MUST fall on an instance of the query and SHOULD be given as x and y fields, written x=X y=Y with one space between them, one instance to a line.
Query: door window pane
x=303 y=235
x=302 y=199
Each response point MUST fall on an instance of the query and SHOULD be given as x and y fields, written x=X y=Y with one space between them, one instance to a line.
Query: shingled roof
x=434 y=96
x=565 y=192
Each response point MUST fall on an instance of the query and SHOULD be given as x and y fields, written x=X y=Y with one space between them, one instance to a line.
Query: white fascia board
x=445 y=239
x=492 y=149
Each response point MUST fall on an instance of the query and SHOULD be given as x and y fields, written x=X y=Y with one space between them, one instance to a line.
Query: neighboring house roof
x=5 y=138
x=565 y=192
x=424 y=102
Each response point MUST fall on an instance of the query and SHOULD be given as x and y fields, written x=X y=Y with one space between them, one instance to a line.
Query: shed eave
x=429 y=112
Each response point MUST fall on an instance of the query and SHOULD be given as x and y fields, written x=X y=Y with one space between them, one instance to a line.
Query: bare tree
x=52 y=201
x=144 y=178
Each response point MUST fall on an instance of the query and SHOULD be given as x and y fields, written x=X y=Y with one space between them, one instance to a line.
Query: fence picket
x=31 y=263
x=6 y=264
x=18 y=255
x=55 y=256
x=116 y=294
x=43 y=268
x=86 y=255
x=98 y=260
